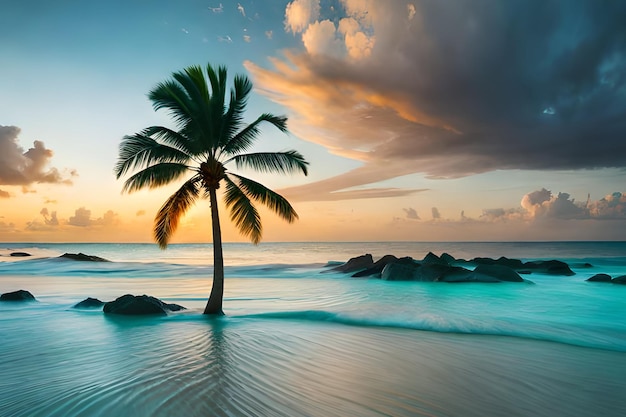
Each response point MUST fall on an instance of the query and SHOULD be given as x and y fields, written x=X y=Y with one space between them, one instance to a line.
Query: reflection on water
x=81 y=363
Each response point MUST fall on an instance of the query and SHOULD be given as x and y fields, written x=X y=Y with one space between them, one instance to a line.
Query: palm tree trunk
x=214 y=305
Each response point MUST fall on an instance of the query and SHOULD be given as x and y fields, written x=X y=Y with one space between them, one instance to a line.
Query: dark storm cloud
x=455 y=88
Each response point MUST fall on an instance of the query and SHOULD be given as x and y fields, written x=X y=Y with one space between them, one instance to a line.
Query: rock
x=600 y=278
x=504 y=261
x=447 y=258
x=431 y=259
x=139 y=305
x=483 y=261
x=456 y=274
x=19 y=254
x=399 y=272
x=378 y=266
x=552 y=267
x=433 y=272
x=356 y=263
x=19 y=295
x=83 y=257
x=89 y=303
x=497 y=271
x=619 y=280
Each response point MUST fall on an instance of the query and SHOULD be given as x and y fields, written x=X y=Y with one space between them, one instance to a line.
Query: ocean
x=298 y=340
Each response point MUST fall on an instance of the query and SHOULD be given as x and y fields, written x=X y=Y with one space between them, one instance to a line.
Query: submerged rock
x=619 y=280
x=19 y=295
x=136 y=305
x=83 y=257
x=356 y=263
x=600 y=278
x=445 y=268
x=89 y=303
x=499 y=272
x=552 y=267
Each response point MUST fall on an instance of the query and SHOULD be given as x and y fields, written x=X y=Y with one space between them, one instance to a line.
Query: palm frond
x=276 y=202
x=154 y=176
x=171 y=96
x=137 y=151
x=242 y=86
x=280 y=162
x=195 y=85
x=242 y=212
x=168 y=217
x=243 y=140
x=172 y=138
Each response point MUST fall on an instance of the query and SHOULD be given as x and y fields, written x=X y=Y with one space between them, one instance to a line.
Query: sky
x=422 y=120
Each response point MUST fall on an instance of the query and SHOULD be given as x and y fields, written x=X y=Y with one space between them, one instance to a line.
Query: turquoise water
x=298 y=340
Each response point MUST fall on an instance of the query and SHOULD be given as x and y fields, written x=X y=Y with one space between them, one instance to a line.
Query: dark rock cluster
x=83 y=257
x=139 y=305
x=446 y=268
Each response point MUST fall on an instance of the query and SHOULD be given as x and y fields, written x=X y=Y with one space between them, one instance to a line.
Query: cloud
x=7 y=227
x=411 y=213
x=50 y=218
x=501 y=215
x=542 y=203
x=450 y=90
x=82 y=218
x=300 y=13
x=612 y=206
x=4 y=194
x=25 y=168
x=340 y=187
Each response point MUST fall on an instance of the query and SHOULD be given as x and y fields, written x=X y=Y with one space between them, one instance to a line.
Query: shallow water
x=299 y=342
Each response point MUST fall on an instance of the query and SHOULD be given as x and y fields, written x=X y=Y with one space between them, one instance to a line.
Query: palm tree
x=210 y=133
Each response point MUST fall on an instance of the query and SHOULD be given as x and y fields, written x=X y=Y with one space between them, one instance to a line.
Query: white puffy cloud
x=542 y=203
x=300 y=13
x=319 y=39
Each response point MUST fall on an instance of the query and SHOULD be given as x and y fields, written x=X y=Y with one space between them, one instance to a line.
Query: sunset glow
x=422 y=120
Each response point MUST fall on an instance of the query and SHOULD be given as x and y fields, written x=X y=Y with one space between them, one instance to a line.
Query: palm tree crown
x=210 y=134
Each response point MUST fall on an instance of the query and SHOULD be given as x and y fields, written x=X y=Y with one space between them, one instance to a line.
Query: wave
x=591 y=337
